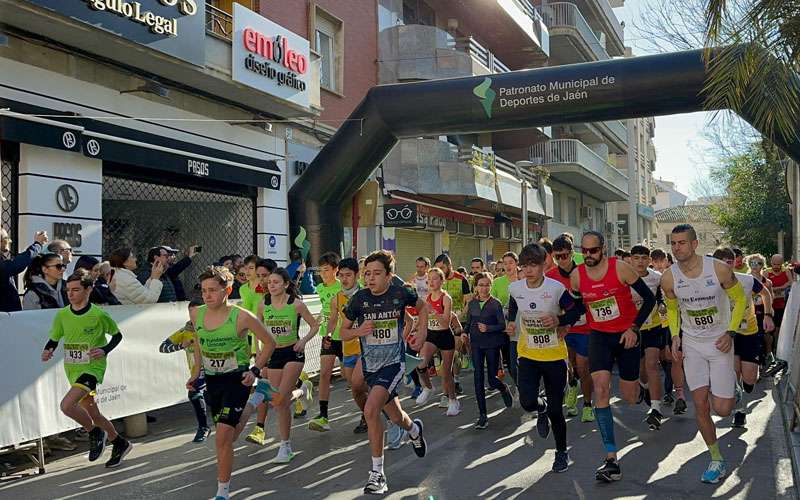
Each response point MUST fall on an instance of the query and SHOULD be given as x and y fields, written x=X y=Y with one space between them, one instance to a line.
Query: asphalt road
x=507 y=460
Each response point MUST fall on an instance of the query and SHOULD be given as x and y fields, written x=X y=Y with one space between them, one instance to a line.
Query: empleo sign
x=269 y=57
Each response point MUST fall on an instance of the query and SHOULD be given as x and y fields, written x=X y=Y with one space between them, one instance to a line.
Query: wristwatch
x=731 y=333
x=256 y=371
x=636 y=329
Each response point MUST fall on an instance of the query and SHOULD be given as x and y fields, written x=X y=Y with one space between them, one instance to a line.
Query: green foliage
x=756 y=205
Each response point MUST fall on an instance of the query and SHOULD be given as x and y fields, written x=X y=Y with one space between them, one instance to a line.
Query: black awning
x=41 y=132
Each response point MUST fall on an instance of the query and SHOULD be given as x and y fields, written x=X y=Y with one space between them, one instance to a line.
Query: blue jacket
x=9 y=269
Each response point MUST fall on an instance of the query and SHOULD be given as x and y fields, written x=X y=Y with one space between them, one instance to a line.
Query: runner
x=542 y=352
x=331 y=346
x=351 y=349
x=757 y=264
x=577 y=339
x=440 y=338
x=499 y=291
x=458 y=287
x=651 y=336
x=476 y=266
x=739 y=263
x=420 y=278
x=782 y=279
x=379 y=313
x=84 y=328
x=183 y=339
x=673 y=369
x=281 y=312
x=548 y=246
x=486 y=326
x=702 y=328
x=224 y=356
x=605 y=285
x=747 y=343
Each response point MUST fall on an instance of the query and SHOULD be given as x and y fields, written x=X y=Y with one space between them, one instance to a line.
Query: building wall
x=708 y=234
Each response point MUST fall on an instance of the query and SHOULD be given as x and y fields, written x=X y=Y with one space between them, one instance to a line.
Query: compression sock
x=605 y=422
x=713 y=449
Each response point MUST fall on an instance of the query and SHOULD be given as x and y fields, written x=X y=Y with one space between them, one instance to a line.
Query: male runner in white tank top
x=699 y=293
x=420 y=278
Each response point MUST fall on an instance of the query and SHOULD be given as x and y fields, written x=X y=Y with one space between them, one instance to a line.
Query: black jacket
x=9 y=269
x=491 y=315
x=101 y=294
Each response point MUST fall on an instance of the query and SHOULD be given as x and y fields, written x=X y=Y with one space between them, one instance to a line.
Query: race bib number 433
x=76 y=354
x=384 y=332
x=604 y=310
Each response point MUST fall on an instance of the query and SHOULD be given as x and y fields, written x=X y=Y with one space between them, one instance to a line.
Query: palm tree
x=753 y=55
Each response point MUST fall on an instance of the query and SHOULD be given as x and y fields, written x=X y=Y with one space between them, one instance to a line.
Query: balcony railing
x=574 y=152
x=218 y=22
x=612 y=19
x=481 y=55
x=618 y=129
x=565 y=15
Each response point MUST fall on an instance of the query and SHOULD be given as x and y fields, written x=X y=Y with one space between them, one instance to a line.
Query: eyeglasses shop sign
x=269 y=57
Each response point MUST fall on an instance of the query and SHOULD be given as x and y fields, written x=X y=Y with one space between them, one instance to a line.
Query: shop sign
x=269 y=57
x=69 y=232
x=67 y=198
x=400 y=215
x=645 y=211
x=175 y=27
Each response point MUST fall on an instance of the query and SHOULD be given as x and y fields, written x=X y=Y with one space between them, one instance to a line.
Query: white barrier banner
x=138 y=377
x=789 y=326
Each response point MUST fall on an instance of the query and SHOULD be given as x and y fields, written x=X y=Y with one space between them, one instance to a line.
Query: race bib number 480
x=76 y=354
x=384 y=332
x=604 y=310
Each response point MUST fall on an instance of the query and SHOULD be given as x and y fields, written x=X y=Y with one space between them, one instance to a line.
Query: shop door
x=499 y=248
x=463 y=250
x=410 y=245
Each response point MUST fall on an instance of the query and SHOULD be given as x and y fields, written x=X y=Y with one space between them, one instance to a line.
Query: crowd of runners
x=560 y=319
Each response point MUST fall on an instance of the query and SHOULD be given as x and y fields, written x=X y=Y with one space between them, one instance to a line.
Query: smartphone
x=198 y=249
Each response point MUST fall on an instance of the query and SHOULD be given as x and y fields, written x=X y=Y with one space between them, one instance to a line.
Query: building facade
x=709 y=234
x=667 y=196
x=636 y=223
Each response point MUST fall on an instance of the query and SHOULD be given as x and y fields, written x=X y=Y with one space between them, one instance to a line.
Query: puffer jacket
x=42 y=295
x=128 y=290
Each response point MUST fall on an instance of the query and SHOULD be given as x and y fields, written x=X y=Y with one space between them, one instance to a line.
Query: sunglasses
x=591 y=250
x=561 y=256
x=60 y=267
x=756 y=264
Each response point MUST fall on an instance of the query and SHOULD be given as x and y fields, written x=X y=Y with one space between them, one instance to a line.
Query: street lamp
x=524 y=196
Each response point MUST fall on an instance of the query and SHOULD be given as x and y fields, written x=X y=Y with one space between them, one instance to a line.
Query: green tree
x=756 y=205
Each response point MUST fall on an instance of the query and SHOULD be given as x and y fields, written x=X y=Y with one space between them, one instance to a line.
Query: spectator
x=236 y=260
x=11 y=266
x=63 y=249
x=225 y=261
x=240 y=278
x=126 y=287
x=44 y=284
x=86 y=262
x=101 y=292
x=296 y=267
x=174 y=269
x=161 y=256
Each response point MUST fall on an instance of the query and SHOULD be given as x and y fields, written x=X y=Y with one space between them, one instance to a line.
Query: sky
x=678 y=137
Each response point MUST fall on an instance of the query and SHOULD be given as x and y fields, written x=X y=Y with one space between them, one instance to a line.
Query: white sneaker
x=453 y=407
x=444 y=401
x=424 y=396
x=285 y=454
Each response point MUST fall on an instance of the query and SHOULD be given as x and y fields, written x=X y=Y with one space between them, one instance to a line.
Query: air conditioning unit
x=586 y=212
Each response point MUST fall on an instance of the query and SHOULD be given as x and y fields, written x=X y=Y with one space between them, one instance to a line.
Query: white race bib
x=76 y=354
x=434 y=323
x=704 y=319
x=219 y=362
x=384 y=332
x=537 y=336
x=604 y=310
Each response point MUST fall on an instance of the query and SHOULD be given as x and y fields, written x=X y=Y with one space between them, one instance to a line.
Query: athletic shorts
x=578 y=342
x=442 y=339
x=226 y=397
x=652 y=339
x=667 y=337
x=351 y=361
x=282 y=355
x=388 y=377
x=605 y=349
x=86 y=381
x=706 y=366
x=334 y=350
x=748 y=348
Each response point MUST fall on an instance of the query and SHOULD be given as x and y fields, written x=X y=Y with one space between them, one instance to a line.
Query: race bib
x=219 y=362
x=779 y=294
x=537 y=336
x=604 y=310
x=704 y=319
x=434 y=323
x=76 y=354
x=281 y=329
x=384 y=332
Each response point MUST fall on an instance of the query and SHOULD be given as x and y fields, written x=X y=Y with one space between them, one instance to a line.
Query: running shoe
x=444 y=401
x=715 y=472
x=308 y=389
x=680 y=407
x=299 y=411
x=508 y=399
x=561 y=463
x=453 y=408
x=285 y=454
x=777 y=367
x=424 y=396
x=571 y=400
x=459 y=389
x=644 y=395
x=201 y=434
x=739 y=419
x=482 y=422
x=653 y=419
x=319 y=424
x=737 y=393
x=60 y=443
x=669 y=399
x=258 y=436
x=543 y=425
x=376 y=484
x=361 y=428
x=419 y=444
x=394 y=435
x=416 y=392
x=609 y=471
x=97 y=443
x=588 y=414
x=81 y=436
x=119 y=450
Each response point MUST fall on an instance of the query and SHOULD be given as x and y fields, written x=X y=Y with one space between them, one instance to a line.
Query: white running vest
x=421 y=285
x=705 y=308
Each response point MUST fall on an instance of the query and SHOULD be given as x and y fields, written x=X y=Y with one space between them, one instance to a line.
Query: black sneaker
x=543 y=424
x=361 y=428
x=376 y=484
x=739 y=419
x=609 y=471
x=420 y=445
x=561 y=463
x=644 y=395
x=482 y=422
x=120 y=448
x=201 y=434
x=653 y=419
x=508 y=399
x=680 y=407
x=669 y=400
x=97 y=443
x=459 y=389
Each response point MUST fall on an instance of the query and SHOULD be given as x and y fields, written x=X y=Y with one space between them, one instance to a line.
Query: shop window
x=328 y=42
x=141 y=215
x=572 y=211
x=557 y=215
x=9 y=159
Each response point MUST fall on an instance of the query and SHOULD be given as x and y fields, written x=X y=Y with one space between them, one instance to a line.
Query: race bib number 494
x=384 y=332
x=604 y=310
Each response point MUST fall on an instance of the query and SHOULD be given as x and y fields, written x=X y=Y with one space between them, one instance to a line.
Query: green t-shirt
x=577 y=258
x=326 y=294
x=282 y=323
x=250 y=298
x=222 y=349
x=81 y=334
x=499 y=290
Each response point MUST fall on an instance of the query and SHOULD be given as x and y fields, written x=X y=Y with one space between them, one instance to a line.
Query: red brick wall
x=360 y=46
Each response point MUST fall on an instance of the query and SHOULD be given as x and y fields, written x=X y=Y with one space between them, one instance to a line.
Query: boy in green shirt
x=84 y=327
